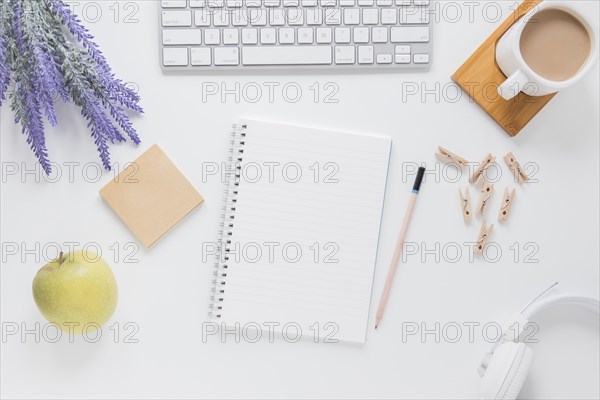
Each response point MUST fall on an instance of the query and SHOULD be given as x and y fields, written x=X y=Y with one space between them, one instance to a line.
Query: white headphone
x=504 y=369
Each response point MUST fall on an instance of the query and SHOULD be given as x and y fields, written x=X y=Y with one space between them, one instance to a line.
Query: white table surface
x=165 y=292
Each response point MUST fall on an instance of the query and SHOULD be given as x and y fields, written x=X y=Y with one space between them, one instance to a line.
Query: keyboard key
x=414 y=15
x=176 y=18
x=173 y=3
x=249 y=36
x=365 y=2
x=182 y=36
x=239 y=17
x=389 y=16
x=220 y=17
x=403 y=2
x=351 y=16
x=197 y=3
x=347 y=3
x=382 y=3
x=175 y=57
x=253 y=3
x=328 y=3
x=216 y=3
x=344 y=55
x=201 y=56
x=291 y=3
x=231 y=36
x=305 y=35
x=272 y=3
x=384 y=58
x=402 y=58
x=370 y=16
x=277 y=17
x=380 y=34
x=402 y=49
x=287 y=55
x=234 y=3
x=421 y=2
x=421 y=58
x=227 y=55
x=202 y=17
x=286 y=35
x=295 y=16
x=268 y=36
x=212 y=36
x=407 y=34
x=365 y=54
x=258 y=17
x=324 y=35
x=361 y=35
x=314 y=16
x=333 y=16
x=342 y=35
x=308 y=3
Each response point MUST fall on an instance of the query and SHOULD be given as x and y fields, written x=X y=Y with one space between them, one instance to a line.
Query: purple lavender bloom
x=5 y=65
x=100 y=125
x=117 y=90
x=45 y=63
x=25 y=103
x=44 y=84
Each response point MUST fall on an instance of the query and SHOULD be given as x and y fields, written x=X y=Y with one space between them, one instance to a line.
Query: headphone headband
x=561 y=299
x=535 y=307
x=538 y=305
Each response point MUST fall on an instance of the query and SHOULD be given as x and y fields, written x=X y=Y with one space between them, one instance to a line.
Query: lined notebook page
x=304 y=239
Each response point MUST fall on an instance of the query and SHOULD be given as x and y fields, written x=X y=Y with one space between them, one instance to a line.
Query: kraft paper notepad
x=151 y=196
x=319 y=210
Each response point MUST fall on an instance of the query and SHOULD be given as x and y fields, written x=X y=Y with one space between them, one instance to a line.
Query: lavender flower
x=5 y=60
x=4 y=67
x=38 y=53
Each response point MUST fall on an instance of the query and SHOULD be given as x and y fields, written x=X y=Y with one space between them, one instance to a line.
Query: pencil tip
x=375 y=326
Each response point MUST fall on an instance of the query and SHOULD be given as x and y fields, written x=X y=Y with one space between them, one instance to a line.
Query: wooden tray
x=480 y=77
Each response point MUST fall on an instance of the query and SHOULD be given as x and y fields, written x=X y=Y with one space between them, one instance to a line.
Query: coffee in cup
x=549 y=49
x=555 y=44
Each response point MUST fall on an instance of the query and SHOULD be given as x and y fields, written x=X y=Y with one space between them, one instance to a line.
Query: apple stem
x=60 y=258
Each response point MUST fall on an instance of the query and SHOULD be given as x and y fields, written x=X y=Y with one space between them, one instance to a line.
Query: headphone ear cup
x=506 y=372
x=515 y=384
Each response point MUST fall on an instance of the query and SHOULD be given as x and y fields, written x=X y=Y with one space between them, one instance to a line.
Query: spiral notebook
x=300 y=230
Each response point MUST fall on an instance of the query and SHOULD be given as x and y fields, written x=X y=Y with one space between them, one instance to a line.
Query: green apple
x=76 y=291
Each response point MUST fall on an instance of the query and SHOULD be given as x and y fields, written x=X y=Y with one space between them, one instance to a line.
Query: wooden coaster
x=480 y=77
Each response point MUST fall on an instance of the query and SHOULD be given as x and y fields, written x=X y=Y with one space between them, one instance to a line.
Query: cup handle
x=513 y=85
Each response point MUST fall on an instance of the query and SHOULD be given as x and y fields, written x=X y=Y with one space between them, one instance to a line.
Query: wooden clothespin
x=507 y=201
x=478 y=173
x=450 y=157
x=483 y=239
x=515 y=167
x=465 y=202
x=484 y=197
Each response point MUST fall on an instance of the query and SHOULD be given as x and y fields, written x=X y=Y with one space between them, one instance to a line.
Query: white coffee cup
x=521 y=77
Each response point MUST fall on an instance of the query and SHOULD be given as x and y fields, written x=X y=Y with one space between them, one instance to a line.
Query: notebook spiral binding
x=232 y=182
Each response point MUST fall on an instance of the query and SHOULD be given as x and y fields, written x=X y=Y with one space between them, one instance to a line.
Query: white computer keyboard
x=240 y=34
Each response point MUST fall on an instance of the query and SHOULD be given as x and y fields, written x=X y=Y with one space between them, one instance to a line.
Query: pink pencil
x=399 y=246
